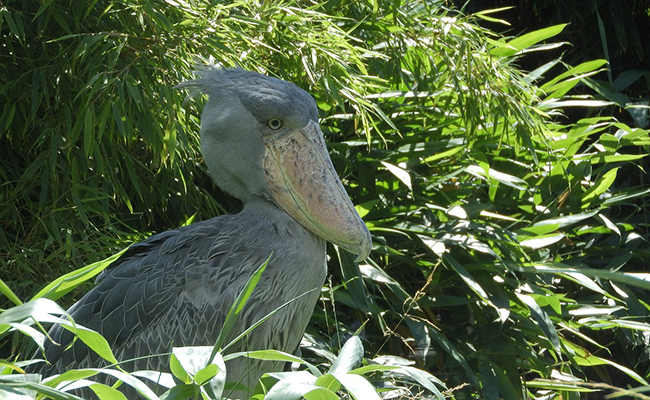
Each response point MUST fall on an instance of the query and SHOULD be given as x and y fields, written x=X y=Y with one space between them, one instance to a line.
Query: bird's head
x=260 y=138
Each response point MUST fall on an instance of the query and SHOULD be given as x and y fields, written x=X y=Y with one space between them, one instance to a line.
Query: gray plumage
x=175 y=288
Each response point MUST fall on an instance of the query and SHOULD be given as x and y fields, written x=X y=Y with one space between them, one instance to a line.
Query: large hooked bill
x=304 y=183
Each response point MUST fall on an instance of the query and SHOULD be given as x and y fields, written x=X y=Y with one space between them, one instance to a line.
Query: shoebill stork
x=262 y=143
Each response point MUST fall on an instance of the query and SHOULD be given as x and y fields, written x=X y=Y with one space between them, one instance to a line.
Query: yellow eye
x=275 y=124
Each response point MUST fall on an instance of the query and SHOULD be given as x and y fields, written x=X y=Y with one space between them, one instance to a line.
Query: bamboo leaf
x=400 y=173
x=64 y=284
x=543 y=321
x=542 y=241
x=5 y=290
x=600 y=187
x=525 y=41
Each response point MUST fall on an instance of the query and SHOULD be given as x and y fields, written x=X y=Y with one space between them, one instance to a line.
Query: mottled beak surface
x=304 y=184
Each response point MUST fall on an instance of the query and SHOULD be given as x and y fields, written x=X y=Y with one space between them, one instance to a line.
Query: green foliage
x=196 y=372
x=342 y=374
x=510 y=243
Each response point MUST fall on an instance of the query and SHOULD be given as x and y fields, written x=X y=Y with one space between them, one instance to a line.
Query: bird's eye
x=274 y=123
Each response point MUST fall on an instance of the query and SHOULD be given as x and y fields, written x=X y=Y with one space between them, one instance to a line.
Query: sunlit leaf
x=357 y=385
x=400 y=173
x=543 y=320
x=524 y=41
x=541 y=241
x=70 y=281
x=350 y=356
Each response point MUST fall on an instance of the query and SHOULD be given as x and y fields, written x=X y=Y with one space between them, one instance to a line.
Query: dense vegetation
x=510 y=242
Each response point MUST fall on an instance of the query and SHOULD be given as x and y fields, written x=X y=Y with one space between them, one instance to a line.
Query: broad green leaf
x=351 y=355
x=621 y=197
x=321 y=394
x=567 y=220
x=376 y=274
x=423 y=378
x=292 y=386
x=206 y=374
x=364 y=208
x=193 y=359
x=72 y=375
x=586 y=68
x=89 y=140
x=599 y=187
x=609 y=224
x=591 y=360
x=501 y=177
x=76 y=375
x=40 y=310
x=484 y=15
x=17 y=387
x=626 y=78
x=35 y=335
x=443 y=155
x=163 y=379
x=458 y=212
x=93 y=340
x=177 y=369
x=375 y=368
x=181 y=392
x=130 y=380
x=539 y=229
x=357 y=386
x=585 y=281
x=328 y=381
x=6 y=367
x=615 y=158
x=23 y=390
x=193 y=364
x=640 y=326
x=105 y=392
x=216 y=384
x=400 y=173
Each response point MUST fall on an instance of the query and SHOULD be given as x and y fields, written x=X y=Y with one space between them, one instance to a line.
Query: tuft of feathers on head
x=212 y=79
x=257 y=92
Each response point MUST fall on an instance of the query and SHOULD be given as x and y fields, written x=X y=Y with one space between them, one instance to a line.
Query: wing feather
x=138 y=292
x=175 y=288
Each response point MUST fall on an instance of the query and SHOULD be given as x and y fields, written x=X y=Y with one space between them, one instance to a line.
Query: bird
x=262 y=143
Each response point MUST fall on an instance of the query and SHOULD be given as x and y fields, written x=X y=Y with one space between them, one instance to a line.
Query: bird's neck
x=261 y=208
x=257 y=205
